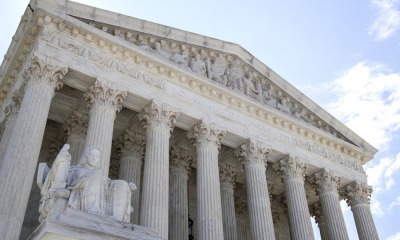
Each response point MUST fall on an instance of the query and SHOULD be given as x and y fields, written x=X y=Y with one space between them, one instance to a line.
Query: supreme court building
x=218 y=145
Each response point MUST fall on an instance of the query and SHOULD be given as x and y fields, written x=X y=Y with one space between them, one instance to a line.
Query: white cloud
x=395 y=236
x=380 y=176
x=394 y=204
x=387 y=21
x=368 y=101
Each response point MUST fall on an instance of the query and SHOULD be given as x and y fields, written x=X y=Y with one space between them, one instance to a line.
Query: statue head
x=90 y=158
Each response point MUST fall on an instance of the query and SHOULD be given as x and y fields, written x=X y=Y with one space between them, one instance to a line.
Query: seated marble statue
x=89 y=190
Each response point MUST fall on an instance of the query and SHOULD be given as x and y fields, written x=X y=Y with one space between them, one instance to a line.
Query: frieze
x=100 y=58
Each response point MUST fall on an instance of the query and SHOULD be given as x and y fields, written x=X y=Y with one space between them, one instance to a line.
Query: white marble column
x=104 y=100
x=158 y=120
x=316 y=212
x=293 y=172
x=180 y=161
x=326 y=185
x=358 y=195
x=227 y=177
x=132 y=146
x=241 y=218
x=207 y=139
x=75 y=129
x=254 y=157
x=11 y=113
x=20 y=158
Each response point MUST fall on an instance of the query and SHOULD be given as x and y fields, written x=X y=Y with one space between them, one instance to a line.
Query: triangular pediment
x=217 y=61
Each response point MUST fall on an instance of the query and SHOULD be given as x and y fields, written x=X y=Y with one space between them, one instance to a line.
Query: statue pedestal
x=79 y=225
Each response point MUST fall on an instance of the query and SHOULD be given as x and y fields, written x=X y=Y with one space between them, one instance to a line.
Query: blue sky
x=344 y=55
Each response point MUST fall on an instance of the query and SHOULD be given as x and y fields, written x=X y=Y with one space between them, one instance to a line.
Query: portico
x=208 y=121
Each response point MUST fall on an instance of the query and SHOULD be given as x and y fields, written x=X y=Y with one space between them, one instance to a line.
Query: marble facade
x=205 y=130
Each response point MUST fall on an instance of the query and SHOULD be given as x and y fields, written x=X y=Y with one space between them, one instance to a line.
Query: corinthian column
x=326 y=185
x=293 y=171
x=254 y=157
x=241 y=218
x=207 y=139
x=358 y=195
x=75 y=129
x=104 y=100
x=227 y=176
x=20 y=158
x=180 y=161
x=132 y=145
x=158 y=120
x=316 y=212
x=11 y=113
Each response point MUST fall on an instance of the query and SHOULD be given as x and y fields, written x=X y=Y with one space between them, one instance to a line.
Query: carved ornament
x=158 y=115
x=290 y=168
x=357 y=193
x=206 y=133
x=104 y=95
x=252 y=152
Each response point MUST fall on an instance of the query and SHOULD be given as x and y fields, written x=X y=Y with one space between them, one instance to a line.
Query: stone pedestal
x=293 y=171
x=180 y=161
x=20 y=159
x=254 y=156
x=207 y=139
x=158 y=120
x=358 y=195
x=76 y=225
x=11 y=112
x=326 y=185
x=132 y=146
x=316 y=212
x=227 y=176
x=104 y=100
x=75 y=129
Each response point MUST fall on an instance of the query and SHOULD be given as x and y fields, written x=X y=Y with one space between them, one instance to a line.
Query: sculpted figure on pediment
x=216 y=70
x=234 y=75
x=268 y=97
x=181 y=58
x=283 y=105
x=158 y=50
x=198 y=65
x=250 y=86
x=301 y=114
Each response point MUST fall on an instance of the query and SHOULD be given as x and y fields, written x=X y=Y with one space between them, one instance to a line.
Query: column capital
x=227 y=174
x=12 y=109
x=76 y=125
x=357 y=193
x=252 y=152
x=131 y=143
x=207 y=133
x=180 y=159
x=46 y=71
x=159 y=115
x=104 y=94
x=241 y=208
x=316 y=212
x=290 y=167
x=324 y=181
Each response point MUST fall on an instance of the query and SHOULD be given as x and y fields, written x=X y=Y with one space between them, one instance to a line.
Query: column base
x=77 y=225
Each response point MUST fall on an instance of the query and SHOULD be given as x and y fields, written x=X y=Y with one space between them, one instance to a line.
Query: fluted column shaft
x=157 y=119
x=228 y=176
x=241 y=219
x=20 y=158
x=254 y=155
x=316 y=212
x=209 y=213
x=178 y=193
x=326 y=184
x=293 y=172
x=241 y=228
x=11 y=112
x=132 y=148
x=104 y=100
x=75 y=129
x=358 y=196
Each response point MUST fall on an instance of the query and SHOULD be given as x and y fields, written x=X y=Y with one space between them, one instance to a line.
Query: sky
x=344 y=55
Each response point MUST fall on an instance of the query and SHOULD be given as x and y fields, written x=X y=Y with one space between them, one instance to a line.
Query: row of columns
x=21 y=150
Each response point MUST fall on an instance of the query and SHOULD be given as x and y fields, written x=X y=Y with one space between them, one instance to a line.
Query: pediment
x=227 y=64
